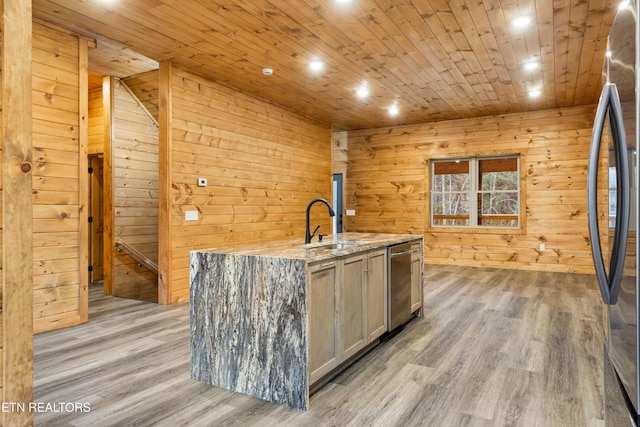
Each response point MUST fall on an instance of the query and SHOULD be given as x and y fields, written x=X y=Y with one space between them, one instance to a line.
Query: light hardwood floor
x=495 y=348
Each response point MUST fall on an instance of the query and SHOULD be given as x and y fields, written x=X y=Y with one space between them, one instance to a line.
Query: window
x=476 y=192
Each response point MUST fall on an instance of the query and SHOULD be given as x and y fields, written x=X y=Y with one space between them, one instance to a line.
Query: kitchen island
x=270 y=320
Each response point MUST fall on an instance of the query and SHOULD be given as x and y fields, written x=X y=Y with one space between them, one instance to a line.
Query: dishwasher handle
x=397 y=254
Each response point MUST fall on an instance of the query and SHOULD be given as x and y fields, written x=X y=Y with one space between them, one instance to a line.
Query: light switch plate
x=202 y=182
x=191 y=216
x=351 y=212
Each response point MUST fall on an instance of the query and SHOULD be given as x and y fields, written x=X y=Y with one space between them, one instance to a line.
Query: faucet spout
x=308 y=235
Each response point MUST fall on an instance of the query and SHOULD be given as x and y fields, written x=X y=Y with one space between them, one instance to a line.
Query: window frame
x=474 y=192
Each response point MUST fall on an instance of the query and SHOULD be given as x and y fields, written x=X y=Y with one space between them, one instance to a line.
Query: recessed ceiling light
x=362 y=92
x=267 y=71
x=522 y=21
x=393 y=110
x=316 y=65
x=530 y=66
x=535 y=93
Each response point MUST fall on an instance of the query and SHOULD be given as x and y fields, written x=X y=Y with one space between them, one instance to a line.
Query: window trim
x=475 y=229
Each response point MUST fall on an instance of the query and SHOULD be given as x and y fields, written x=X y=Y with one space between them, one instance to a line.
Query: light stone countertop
x=347 y=243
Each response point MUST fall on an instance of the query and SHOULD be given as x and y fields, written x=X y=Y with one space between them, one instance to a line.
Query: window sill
x=476 y=230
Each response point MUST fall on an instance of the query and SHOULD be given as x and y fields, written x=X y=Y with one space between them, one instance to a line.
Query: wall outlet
x=191 y=216
x=542 y=247
x=202 y=182
x=351 y=212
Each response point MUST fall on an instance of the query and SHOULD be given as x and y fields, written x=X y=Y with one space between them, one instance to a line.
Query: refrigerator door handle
x=609 y=285
x=592 y=193
x=623 y=190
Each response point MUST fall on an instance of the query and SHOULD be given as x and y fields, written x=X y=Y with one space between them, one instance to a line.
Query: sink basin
x=329 y=246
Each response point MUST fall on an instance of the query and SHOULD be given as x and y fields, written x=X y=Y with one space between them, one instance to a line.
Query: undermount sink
x=329 y=245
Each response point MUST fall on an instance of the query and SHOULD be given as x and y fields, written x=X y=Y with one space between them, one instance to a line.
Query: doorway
x=96 y=218
x=337 y=203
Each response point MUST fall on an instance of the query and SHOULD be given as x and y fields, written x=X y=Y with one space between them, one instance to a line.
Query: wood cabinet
x=323 y=322
x=347 y=308
x=376 y=322
x=416 y=276
x=352 y=304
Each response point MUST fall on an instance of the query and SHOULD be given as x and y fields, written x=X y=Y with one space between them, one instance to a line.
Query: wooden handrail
x=143 y=261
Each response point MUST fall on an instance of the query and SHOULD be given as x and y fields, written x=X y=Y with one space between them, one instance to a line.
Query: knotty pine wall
x=145 y=88
x=388 y=186
x=263 y=165
x=96 y=122
x=56 y=178
x=339 y=152
x=57 y=151
x=134 y=151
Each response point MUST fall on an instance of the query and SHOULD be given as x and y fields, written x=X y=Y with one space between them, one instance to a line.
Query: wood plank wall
x=145 y=88
x=56 y=180
x=263 y=165
x=56 y=280
x=388 y=186
x=339 y=152
x=135 y=201
x=96 y=121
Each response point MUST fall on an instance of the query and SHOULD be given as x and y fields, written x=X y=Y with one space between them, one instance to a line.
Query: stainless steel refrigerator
x=613 y=219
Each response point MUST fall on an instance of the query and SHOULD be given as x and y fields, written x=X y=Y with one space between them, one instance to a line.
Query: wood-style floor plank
x=495 y=348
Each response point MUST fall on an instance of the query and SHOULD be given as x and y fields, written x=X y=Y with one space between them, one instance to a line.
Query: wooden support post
x=83 y=73
x=109 y=236
x=164 y=214
x=17 y=211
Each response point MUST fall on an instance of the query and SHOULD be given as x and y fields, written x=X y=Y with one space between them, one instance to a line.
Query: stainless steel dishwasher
x=399 y=285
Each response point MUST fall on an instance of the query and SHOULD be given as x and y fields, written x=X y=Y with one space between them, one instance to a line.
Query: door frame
x=96 y=212
x=338 y=197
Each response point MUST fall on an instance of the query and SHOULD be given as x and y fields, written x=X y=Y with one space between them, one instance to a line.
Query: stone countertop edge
x=248 y=326
x=296 y=249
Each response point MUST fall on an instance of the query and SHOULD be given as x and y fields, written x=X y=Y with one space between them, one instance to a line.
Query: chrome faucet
x=308 y=235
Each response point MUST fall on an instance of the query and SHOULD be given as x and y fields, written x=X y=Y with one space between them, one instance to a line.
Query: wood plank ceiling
x=435 y=59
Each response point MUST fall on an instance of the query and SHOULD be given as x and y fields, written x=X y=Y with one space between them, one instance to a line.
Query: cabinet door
x=352 y=304
x=376 y=295
x=323 y=337
x=416 y=277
